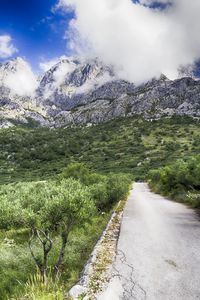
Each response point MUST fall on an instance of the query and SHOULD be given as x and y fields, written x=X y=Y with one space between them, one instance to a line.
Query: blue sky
x=36 y=31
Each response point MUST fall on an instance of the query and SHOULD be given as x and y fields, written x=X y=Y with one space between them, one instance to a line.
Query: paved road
x=158 y=251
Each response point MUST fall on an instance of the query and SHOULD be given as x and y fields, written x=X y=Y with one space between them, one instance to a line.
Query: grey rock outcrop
x=74 y=93
x=153 y=100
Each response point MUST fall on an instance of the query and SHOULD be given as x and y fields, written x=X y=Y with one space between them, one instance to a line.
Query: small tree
x=44 y=209
x=77 y=171
x=82 y=173
x=118 y=186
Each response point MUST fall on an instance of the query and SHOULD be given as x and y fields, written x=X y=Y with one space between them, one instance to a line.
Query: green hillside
x=123 y=145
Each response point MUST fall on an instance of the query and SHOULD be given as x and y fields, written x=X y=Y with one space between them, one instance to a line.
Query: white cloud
x=7 y=49
x=149 y=2
x=140 y=42
x=46 y=65
x=93 y=83
x=19 y=78
x=62 y=71
x=59 y=75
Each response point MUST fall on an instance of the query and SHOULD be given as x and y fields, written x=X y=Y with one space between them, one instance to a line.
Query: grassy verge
x=106 y=253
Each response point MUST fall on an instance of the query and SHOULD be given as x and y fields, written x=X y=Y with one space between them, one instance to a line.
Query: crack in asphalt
x=131 y=289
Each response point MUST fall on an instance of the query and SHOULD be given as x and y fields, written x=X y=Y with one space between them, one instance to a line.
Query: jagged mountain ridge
x=74 y=93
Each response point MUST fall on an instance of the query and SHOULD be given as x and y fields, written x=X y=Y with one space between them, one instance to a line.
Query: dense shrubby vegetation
x=51 y=226
x=55 y=187
x=105 y=189
x=180 y=180
x=128 y=145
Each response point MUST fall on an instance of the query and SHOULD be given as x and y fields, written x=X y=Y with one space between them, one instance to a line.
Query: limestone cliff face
x=89 y=93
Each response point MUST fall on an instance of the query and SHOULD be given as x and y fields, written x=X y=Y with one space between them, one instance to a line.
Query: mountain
x=18 y=100
x=75 y=93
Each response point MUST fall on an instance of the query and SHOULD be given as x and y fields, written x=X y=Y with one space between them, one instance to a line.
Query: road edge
x=97 y=271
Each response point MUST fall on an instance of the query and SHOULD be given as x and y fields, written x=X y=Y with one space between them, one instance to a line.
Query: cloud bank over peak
x=7 y=49
x=138 y=41
x=46 y=65
x=18 y=76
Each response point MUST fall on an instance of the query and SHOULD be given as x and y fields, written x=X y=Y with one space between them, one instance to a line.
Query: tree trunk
x=47 y=246
x=62 y=253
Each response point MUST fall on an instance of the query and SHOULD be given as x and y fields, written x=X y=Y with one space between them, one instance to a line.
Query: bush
x=118 y=186
x=77 y=171
x=59 y=226
x=100 y=195
x=46 y=209
x=178 y=179
x=81 y=172
x=193 y=199
x=105 y=190
x=154 y=175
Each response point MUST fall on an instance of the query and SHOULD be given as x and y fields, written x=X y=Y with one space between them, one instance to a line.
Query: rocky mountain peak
x=14 y=65
x=75 y=92
x=58 y=72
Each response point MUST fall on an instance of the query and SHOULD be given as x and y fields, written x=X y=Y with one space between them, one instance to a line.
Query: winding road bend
x=158 y=255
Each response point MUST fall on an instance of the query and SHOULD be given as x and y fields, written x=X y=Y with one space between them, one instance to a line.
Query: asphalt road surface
x=158 y=255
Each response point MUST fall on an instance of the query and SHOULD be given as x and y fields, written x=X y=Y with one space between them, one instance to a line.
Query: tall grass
x=36 y=289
